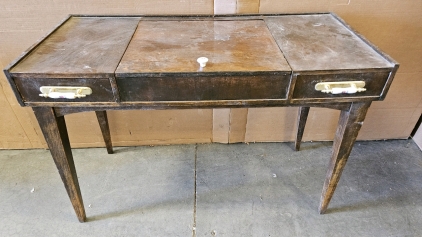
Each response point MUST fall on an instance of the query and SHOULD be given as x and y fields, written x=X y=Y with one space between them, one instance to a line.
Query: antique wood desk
x=100 y=63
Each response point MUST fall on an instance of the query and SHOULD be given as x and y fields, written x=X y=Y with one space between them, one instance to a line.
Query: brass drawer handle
x=64 y=92
x=342 y=87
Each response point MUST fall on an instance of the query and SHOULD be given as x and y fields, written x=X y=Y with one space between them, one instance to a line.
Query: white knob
x=202 y=61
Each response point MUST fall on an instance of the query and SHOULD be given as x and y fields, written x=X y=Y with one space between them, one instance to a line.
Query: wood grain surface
x=173 y=88
x=174 y=46
x=348 y=129
x=158 y=69
x=320 y=42
x=105 y=130
x=374 y=84
x=55 y=132
x=29 y=89
x=83 y=45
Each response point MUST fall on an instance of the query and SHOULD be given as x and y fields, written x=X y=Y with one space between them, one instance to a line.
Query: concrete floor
x=262 y=189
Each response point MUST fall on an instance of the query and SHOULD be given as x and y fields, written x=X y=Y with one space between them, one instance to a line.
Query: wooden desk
x=150 y=62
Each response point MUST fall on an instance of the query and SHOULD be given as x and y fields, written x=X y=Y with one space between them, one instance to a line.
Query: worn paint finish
x=77 y=46
x=348 y=128
x=29 y=89
x=105 y=130
x=320 y=42
x=172 y=88
x=301 y=122
x=237 y=47
x=54 y=129
x=305 y=84
x=174 y=46
x=159 y=71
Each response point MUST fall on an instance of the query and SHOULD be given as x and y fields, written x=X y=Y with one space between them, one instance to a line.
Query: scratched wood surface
x=159 y=68
x=83 y=45
x=29 y=89
x=174 y=46
x=320 y=42
x=374 y=84
x=204 y=88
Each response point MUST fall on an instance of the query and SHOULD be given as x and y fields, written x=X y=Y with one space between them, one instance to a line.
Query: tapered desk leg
x=301 y=122
x=105 y=129
x=55 y=134
x=348 y=128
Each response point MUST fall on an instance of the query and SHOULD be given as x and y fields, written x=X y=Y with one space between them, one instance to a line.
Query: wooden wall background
x=394 y=26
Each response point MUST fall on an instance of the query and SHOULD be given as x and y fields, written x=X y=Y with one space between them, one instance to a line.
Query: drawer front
x=29 y=88
x=305 y=84
x=203 y=88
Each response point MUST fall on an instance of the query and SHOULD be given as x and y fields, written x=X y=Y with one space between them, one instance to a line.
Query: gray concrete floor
x=262 y=189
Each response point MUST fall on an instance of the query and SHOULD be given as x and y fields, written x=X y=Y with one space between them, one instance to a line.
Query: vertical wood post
x=105 y=130
x=301 y=122
x=55 y=134
x=348 y=128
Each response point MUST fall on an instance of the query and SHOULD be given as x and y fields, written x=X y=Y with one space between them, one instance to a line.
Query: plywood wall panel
x=271 y=124
x=391 y=123
x=288 y=6
x=321 y=124
x=129 y=128
x=247 y=6
x=405 y=92
x=12 y=134
x=160 y=126
x=221 y=125
x=15 y=120
x=238 y=121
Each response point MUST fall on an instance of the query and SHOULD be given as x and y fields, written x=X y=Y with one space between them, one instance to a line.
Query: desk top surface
x=256 y=60
x=321 y=42
x=174 y=46
x=81 y=45
x=124 y=45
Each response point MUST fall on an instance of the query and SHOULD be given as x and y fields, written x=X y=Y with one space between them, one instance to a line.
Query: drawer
x=305 y=84
x=29 y=88
x=203 y=88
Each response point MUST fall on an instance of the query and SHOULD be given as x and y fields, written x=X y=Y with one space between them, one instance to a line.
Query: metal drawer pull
x=64 y=92
x=349 y=87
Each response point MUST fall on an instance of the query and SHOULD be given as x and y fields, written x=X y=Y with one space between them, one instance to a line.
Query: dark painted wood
x=184 y=105
x=14 y=87
x=348 y=128
x=305 y=84
x=363 y=38
x=321 y=42
x=105 y=129
x=101 y=89
x=81 y=45
x=114 y=89
x=161 y=105
x=22 y=56
x=174 y=46
x=159 y=48
x=301 y=122
x=150 y=63
x=389 y=81
x=147 y=105
x=71 y=54
x=55 y=134
x=374 y=47
x=267 y=86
